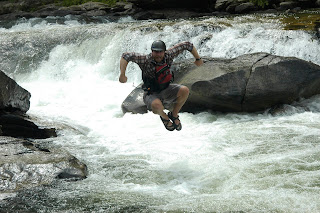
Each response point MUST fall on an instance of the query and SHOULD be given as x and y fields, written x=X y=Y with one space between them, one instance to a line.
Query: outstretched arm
x=179 y=48
x=195 y=54
x=123 y=66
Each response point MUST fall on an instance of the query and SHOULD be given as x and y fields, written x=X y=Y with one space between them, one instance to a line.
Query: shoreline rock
x=25 y=162
x=19 y=126
x=143 y=9
x=14 y=103
x=12 y=96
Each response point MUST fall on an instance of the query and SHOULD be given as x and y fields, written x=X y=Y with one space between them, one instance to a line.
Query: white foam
x=218 y=162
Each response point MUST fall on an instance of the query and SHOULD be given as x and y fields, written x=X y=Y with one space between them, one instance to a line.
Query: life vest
x=163 y=77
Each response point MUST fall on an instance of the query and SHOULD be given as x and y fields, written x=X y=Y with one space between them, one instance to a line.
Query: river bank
x=143 y=10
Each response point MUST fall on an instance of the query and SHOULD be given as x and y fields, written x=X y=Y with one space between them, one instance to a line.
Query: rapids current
x=242 y=162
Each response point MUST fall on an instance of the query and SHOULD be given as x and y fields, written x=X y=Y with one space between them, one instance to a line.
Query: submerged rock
x=26 y=164
x=249 y=83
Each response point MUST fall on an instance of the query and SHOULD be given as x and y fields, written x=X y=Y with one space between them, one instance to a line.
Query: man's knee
x=183 y=91
x=156 y=106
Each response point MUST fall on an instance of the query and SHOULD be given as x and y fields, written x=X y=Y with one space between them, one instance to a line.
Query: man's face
x=158 y=55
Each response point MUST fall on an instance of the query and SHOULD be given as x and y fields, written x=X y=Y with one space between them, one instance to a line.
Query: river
x=234 y=162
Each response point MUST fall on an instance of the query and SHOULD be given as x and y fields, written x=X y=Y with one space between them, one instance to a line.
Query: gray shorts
x=167 y=96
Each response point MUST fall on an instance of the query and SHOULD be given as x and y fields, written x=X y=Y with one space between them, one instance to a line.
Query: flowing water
x=235 y=162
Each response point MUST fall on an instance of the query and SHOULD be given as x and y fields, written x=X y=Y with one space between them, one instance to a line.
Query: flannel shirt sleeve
x=179 y=48
x=134 y=57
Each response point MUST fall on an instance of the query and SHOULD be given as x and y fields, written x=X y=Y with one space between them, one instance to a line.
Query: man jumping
x=157 y=79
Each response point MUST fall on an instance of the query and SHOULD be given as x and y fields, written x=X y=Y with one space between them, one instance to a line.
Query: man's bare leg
x=182 y=97
x=157 y=108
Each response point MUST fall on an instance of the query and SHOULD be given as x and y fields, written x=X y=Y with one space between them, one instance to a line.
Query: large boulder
x=249 y=83
x=12 y=96
x=14 y=102
x=280 y=80
x=25 y=164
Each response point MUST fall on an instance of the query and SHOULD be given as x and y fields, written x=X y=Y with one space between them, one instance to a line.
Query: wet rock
x=245 y=8
x=144 y=9
x=248 y=83
x=280 y=80
x=162 y=4
x=26 y=164
x=222 y=4
x=94 y=6
x=134 y=102
x=7 y=7
x=12 y=96
x=288 y=5
x=307 y=3
x=144 y=15
x=166 y=14
x=17 y=126
x=317 y=28
x=14 y=102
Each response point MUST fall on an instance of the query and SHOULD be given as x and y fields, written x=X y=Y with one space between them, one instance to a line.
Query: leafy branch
x=261 y=3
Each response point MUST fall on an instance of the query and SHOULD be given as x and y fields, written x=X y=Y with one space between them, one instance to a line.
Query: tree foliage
x=261 y=3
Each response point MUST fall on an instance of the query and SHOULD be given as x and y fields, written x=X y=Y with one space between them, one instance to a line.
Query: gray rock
x=96 y=13
x=18 y=126
x=134 y=102
x=6 y=8
x=249 y=83
x=222 y=4
x=280 y=80
x=94 y=6
x=12 y=96
x=317 y=28
x=22 y=5
x=25 y=165
x=288 y=5
x=245 y=7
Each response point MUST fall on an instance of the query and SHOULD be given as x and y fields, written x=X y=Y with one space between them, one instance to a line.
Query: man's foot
x=167 y=123
x=176 y=122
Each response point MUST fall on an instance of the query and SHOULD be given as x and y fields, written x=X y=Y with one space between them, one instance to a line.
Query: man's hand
x=123 y=78
x=198 y=62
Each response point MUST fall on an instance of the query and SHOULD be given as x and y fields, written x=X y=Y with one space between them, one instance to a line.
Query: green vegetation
x=261 y=3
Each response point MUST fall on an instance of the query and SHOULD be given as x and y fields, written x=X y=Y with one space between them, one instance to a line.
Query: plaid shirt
x=148 y=65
